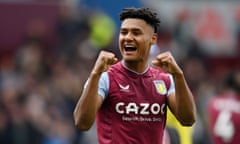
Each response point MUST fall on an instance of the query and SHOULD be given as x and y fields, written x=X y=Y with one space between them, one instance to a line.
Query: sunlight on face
x=135 y=39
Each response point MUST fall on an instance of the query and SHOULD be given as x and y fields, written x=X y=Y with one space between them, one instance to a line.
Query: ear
x=154 y=38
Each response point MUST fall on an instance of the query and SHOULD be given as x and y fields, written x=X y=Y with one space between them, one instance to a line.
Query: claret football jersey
x=134 y=107
x=224 y=119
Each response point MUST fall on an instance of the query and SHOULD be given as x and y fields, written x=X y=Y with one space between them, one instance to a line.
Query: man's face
x=135 y=39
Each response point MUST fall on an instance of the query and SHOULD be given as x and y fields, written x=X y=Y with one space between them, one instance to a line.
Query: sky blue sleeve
x=103 y=85
x=172 y=85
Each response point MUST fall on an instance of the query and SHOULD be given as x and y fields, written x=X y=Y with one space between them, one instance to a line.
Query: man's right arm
x=90 y=101
x=88 y=104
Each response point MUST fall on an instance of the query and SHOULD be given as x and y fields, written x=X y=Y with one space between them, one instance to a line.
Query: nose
x=129 y=36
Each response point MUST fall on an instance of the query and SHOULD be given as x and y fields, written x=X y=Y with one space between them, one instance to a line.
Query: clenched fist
x=104 y=60
x=167 y=62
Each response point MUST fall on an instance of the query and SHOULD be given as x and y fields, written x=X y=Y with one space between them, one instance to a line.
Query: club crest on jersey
x=160 y=86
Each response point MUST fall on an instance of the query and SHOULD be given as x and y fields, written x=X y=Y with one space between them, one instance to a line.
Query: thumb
x=156 y=63
x=112 y=61
x=115 y=60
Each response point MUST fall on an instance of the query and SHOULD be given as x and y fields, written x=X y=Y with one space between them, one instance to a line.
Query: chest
x=139 y=90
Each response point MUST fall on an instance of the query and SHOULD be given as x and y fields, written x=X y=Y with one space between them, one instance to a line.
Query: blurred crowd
x=40 y=83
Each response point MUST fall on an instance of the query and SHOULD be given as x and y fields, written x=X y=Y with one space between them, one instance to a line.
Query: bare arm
x=181 y=102
x=90 y=102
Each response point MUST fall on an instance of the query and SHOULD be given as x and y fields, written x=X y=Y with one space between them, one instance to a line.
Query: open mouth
x=130 y=48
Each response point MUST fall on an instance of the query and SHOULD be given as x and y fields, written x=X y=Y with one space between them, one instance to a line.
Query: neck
x=135 y=66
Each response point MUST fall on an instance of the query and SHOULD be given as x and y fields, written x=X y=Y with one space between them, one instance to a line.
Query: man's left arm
x=180 y=102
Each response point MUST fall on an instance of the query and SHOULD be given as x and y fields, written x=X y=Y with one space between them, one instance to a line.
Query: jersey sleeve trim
x=172 y=86
x=103 y=85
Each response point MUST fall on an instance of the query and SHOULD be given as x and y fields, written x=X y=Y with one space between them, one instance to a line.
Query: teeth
x=128 y=46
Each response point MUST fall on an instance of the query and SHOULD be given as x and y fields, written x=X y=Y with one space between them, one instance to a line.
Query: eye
x=123 y=32
x=136 y=33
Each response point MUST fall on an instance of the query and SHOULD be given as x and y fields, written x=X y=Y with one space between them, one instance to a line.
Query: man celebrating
x=129 y=98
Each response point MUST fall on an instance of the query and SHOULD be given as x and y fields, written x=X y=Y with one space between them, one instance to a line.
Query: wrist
x=178 y=74
x=95 y=74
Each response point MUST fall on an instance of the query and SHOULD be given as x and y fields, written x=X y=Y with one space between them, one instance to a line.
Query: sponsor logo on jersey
x=140 y=108
x=160 y=87
x=142 y=112
x=124 y=88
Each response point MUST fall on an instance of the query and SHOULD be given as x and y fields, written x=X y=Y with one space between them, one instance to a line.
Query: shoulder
x=115 y=67
x=158 y=71
x=160 y=74
x=217 y=101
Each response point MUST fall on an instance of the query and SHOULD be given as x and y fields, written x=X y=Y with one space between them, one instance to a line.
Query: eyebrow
x=132 y=29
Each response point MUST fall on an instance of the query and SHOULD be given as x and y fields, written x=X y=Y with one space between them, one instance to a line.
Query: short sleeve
x=172 y=85
x=103 y=85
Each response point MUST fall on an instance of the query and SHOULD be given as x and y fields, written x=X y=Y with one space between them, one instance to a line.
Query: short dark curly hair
x=146 y=14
